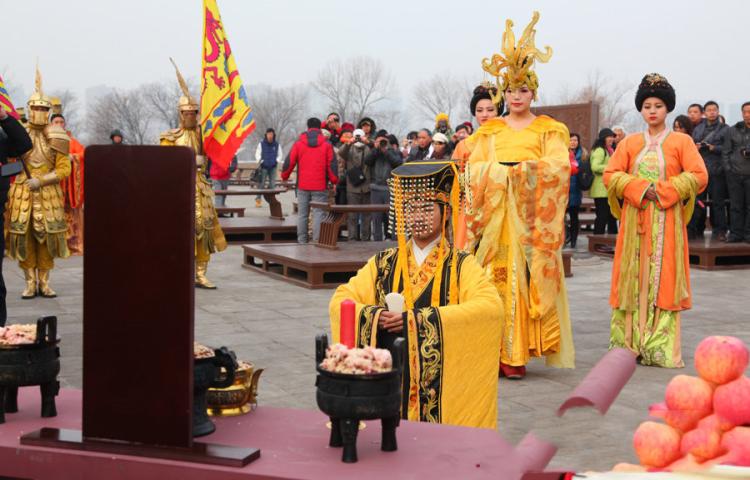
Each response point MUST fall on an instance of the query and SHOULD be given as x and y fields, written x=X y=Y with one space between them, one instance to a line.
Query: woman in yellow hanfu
x=451 y=319
x=656 y=174
x=516 y=178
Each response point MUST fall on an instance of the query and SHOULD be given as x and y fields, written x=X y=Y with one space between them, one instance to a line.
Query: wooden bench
x=231 y=211
x=259 y=230
x=704 y=254
x=269 y=194
x=335 y=217
x=308 y=265
x=567 y=267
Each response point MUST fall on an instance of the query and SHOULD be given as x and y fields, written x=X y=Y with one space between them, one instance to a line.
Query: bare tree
x=441 y=93
x=127 y=111
x=611 y=97
x=162 y=99
x=355 y=86
x=283 y=109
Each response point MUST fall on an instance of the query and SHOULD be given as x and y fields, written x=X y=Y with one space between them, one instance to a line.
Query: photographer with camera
x=736 y=158
x=709 y=138
x=381 y=160
x=357 y=174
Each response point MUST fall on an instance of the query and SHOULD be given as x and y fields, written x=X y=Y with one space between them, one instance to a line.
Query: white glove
x=34 y=184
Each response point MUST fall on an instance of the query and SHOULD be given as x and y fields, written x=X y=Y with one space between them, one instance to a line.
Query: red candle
x=346 y=332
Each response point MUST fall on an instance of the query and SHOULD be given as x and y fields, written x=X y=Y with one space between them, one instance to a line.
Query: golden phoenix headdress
x=187 y=102
x=515 y=60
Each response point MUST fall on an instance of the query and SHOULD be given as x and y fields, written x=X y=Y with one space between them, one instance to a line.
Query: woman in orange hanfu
x=516 y=180
x=656 y=174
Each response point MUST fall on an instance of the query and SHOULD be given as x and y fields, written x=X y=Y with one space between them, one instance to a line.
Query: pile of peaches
x=706 y=419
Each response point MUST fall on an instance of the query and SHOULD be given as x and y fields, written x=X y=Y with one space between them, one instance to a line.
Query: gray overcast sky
x=700 y=46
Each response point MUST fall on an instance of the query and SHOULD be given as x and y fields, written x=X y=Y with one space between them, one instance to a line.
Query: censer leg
x=11 y=399
x=335 y=440
x=349 y=430
x=2 y=404
x=49 y=391
x=388 y=440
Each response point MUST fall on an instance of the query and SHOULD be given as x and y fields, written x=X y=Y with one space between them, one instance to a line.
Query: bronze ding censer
x=30 y=364
x=240 y=397
x=207 y=373
x=349 y=398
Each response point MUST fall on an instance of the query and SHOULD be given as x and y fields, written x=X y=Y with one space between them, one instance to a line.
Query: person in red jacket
x=313 y=154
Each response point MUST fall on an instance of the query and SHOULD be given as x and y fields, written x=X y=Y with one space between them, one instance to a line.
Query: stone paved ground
x=273 y=324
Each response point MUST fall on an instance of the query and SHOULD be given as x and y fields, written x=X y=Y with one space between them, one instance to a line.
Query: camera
x=383 y=143
x=358 y=138
x=745 y=152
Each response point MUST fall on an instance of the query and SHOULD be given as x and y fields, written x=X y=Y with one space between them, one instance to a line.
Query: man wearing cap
x=441 y=149
x=442 y=124
x=116 y=137
x=451 y=311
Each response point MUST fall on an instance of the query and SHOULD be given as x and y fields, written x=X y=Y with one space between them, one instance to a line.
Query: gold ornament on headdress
x=38 y=98
x=187 y=102
x=515 y=60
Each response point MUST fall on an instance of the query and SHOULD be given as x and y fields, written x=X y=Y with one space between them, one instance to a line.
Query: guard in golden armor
x=208 y=235
x=36 y=217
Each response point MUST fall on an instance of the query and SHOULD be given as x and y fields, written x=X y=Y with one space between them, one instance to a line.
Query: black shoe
x=734 y=239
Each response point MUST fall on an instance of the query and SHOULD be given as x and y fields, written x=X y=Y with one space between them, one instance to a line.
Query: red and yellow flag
x=5 y=100
x=226 y=116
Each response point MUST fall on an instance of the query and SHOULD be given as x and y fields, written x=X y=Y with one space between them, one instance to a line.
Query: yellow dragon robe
x=450 y=375
x=516 y=187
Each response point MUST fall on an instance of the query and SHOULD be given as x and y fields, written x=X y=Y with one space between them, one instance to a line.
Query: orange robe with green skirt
x=650 y=274
x=516 y=192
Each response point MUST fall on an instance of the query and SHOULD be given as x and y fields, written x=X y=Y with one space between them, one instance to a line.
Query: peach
x=715 y=422
x=656 y=444
x=737 y=443
x=721 y=359
x=704 y=444
x=732 y=401
x=682 y=421
x=689 y=394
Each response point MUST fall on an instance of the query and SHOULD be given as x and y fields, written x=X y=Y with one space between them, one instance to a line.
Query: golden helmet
x=187 y=103
x=56 y=105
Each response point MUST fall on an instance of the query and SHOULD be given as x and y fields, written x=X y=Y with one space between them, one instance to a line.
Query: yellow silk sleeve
x=361 y=290
x=62 y=165
x=471 y=336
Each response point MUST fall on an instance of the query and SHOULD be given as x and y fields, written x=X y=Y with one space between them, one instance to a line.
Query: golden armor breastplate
x=41 y=155
x=190 y=138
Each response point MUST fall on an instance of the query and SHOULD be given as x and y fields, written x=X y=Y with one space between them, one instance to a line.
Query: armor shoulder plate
x=58 y=139
x=171 y=135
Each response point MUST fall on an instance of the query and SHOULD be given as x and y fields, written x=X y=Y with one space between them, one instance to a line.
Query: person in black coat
x=14 y=142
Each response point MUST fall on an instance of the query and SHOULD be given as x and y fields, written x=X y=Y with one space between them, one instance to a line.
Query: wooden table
x=232 y=211
x=269 y=194
x=294 y=444
x=335 y=217
x=704 y=253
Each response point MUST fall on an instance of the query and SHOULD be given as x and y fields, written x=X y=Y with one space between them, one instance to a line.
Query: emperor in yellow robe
x=451 y=373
